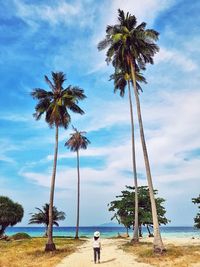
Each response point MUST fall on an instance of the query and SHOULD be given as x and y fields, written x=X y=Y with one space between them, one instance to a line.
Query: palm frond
x=76 y=109
x=49 y=83
x=54 y=104
x=77 y=141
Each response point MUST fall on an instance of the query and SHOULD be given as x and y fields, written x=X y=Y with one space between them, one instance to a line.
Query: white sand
x=111 y=256
x=177 y=241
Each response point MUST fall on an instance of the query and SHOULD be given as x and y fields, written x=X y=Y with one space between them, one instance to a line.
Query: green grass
x=176 y=256
x=30 y=252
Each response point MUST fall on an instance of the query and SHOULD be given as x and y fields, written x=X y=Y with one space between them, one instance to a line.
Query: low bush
x=19 y=236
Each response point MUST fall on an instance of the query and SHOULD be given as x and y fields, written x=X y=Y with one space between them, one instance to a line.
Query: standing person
x=96 y=246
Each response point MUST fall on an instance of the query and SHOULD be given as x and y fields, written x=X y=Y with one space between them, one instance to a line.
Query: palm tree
x=76 y=142
x=55 y=104
x=42 y=217
x=120 y=82
x=134 y=46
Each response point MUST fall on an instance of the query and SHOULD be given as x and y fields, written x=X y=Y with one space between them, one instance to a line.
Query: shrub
x=19 y=236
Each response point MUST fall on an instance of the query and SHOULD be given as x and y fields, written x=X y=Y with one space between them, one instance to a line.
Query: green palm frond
x=42 y=217
x=56 y=103
x=129 y=40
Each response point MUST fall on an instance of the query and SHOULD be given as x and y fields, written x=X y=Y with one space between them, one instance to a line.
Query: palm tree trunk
x=140 y=230
x=135 y=234
x=158 y=244
x=150 y=234
x=46 y=231
x=2 y=230
x=50 y=246
x=127 y=234
x=78 y=196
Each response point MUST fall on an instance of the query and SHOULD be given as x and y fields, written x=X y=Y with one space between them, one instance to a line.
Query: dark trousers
x=96 y=253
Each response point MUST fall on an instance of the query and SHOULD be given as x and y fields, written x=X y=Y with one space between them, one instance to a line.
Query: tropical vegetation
x=123 y=208
x=42 y=217
x=56 y=104
x=11 y=213
x=197 y=218
x=76 y=142
x=130 y=48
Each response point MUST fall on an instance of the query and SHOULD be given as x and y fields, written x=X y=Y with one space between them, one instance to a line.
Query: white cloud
x=177 y=118
x=14 y=117
x=90 y=152
x=144 y=10
x=63 y=12
x=60 y=12
x=7 y=146
x=176 y=58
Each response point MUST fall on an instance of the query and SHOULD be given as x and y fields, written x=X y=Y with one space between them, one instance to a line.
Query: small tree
x=10 y=213
x=124 y=208
x=42 y=217
x=122 y=213
x=197 y=218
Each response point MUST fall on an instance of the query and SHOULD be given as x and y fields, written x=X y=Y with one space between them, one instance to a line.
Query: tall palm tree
x=42 y=217
x=55 y=105
x=76 y=142
x=120 y=82
x=132 y=45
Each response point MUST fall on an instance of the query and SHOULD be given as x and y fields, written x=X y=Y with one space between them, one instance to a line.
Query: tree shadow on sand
x=108 y=260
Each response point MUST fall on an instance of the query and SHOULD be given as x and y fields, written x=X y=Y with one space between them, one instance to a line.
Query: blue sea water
x=105 y=231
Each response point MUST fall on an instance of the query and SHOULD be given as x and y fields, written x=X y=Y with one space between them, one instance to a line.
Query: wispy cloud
x=57 y=13
x=176 y=58
x=15 y=117
x=7 y=146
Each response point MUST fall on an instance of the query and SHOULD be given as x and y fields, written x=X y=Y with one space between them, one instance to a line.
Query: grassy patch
x=176 y=256
x=30 y=252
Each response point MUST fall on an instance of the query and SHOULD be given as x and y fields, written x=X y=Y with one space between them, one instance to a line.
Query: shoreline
x=166 y=231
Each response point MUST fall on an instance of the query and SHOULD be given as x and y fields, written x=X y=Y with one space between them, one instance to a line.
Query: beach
x=112 y=255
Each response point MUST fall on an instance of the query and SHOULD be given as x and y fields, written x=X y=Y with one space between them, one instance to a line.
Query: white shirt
x=96 y=243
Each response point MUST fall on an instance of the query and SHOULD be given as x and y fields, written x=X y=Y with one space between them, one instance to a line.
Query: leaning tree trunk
x=50 y=246
x=135 y=238
x=150 y=234
x=78 y=197
x=158 y=244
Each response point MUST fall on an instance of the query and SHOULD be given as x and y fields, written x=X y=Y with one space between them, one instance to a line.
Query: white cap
x=97 y=234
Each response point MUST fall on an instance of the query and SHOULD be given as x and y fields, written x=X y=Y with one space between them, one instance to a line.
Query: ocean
x=105 y=231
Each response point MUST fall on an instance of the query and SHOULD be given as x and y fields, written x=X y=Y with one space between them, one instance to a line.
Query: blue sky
x=38 y=37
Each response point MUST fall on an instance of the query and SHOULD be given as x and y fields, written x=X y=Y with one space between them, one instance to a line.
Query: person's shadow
x=108 y=260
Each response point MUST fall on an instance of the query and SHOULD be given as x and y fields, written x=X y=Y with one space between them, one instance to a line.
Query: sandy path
x=111 y=256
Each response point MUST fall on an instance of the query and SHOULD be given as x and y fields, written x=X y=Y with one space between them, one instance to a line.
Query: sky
x=38 y=37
